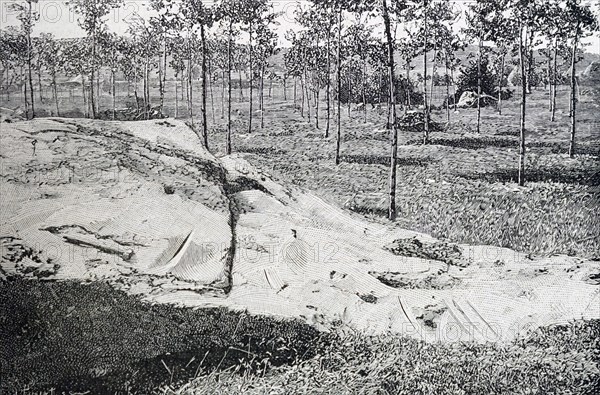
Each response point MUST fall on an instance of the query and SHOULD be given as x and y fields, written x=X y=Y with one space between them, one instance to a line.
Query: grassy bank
x=554 y=360
x=89 y=337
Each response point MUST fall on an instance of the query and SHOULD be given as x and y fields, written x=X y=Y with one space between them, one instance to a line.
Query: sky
x=56 y=18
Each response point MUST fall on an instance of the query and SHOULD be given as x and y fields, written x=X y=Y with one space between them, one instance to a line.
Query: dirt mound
x=144 y=207
x=93 y=200
x=8 y=115
x=591 y=75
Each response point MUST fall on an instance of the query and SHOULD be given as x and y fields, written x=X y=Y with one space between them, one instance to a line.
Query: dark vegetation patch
x=436 y=281
x=384 y=160
x=508 y=132
x=91 y=337
x=368 y=298
x=369 y=210
x=261 y=150
x=375 y=135
x=448 y=253
x=414 y=122
x=588 y=176
x=472 y=143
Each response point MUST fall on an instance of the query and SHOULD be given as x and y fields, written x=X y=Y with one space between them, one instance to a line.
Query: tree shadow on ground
x=91 y=337
x=472 y=143
x=589 y=177
x=261 y=150
x=384 y=160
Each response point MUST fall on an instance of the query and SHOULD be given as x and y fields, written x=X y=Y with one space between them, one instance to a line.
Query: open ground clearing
x=145 y=208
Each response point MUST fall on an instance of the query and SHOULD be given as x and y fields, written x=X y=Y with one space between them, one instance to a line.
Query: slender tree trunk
x=338 y=141
x=425 y=45
x=433 y=70
x=447 y=88
x=394 y=135
x=135 y=92
x=250 y=79
x=30 y=77
x=479 y=85
x=316 y=87
x=241 y=86
x=185 y=88
x=307 y=93
x=549 y=76
x=114 y=95
x=93 y=60
x=554 y=80
x=500 y=80
x=210 y=87
x=84 y=95
x=302 y=94
x=453 y=88
x=176 y=98
x=147 y=85
x=295 y=92
x=364 y=88
x=349 y=93
x=328 y=121
x=285 y=87
x=144 y=87
x=573 y=97
x=55 y=86
x=190 y=81
x=317 y=107
x=7 y=85
x=523 y=110
x=39 y=75
x=98 y=91
x=262 y=97
x=223 y=78
x=380 y=86
x=204 y=87
x=389 y=113
x=229 y=44
x=408 y=84
x=25 y=99
x=164 y=76
x=161 y=72
x=531 y=61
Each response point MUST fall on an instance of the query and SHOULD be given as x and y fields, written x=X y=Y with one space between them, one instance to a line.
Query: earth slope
x=143 y=206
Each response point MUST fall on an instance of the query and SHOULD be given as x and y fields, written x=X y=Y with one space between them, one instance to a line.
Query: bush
x=378 y=90
x=467 y=81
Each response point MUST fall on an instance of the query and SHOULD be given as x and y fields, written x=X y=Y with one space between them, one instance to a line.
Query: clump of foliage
x=467 y=81
x=414 y=121
x=437 y=281
x=448 y=253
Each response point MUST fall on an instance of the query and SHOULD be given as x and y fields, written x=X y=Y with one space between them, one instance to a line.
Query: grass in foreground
x=552 y=360
x=73 y=337
x=77 y=337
